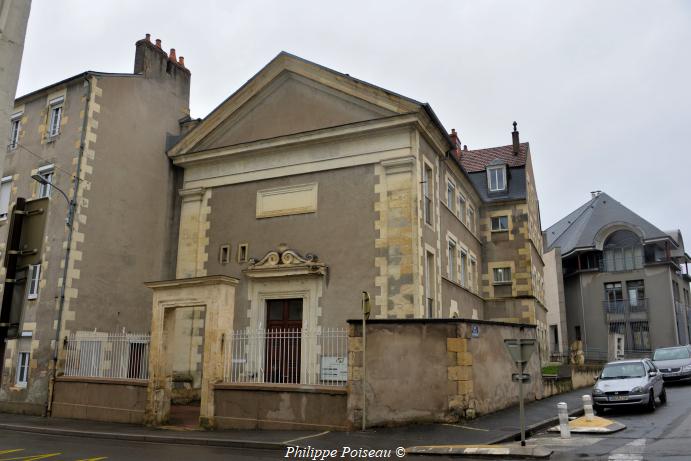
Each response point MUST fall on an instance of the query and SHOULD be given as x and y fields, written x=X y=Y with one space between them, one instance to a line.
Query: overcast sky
x=600 y=89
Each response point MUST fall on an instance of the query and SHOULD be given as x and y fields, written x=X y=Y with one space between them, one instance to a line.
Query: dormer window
x=496 y=178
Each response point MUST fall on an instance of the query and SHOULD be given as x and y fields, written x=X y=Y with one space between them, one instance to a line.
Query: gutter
x=70 y=226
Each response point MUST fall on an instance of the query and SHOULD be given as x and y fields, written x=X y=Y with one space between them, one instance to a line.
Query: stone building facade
x=302 y=190
x=100 y=138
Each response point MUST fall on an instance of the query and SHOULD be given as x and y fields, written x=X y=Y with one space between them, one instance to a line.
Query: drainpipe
x=70 y=231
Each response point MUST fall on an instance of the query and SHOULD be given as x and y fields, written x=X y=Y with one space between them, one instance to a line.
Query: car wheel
x=598 y=410
x=663 y=395
x=651 y=401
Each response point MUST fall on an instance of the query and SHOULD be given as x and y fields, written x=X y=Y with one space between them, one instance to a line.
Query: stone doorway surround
x=285 y=274
x=216 y=295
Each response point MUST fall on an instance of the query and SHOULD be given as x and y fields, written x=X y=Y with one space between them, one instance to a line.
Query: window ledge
x=502 y=283
x=499 y=230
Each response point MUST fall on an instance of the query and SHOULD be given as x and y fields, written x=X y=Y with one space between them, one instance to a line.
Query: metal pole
x=71 y=211
x=520 y=396
x=364 y=365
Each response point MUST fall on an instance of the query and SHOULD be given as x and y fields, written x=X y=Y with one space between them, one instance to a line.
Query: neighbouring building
x=14 y=16
x=625 y=282
x=99 y=138
x=511 y=234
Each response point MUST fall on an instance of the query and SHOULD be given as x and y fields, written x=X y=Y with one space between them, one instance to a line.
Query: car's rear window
x=671 y=354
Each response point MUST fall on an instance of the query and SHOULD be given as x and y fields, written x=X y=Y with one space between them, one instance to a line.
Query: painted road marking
x=631 y=451
x=467 y=427
x=31 y=457
x=39 y=456
x=306 y=437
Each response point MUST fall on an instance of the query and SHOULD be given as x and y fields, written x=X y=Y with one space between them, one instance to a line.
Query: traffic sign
x=516 y=377
x=520 y=349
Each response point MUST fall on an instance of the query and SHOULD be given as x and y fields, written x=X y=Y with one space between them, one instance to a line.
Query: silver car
x=627 y=383
x=674 y=363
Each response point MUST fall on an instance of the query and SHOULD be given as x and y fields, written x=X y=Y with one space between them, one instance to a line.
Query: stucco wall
x=658 y=290
x=554 y=299
x=434 y=370
x=97 y=399
x=341 y=233
x=276 y=406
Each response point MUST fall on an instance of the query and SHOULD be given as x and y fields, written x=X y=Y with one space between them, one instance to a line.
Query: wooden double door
x=283 y=338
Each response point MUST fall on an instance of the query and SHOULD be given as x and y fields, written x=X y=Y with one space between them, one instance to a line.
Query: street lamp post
x=71 y=207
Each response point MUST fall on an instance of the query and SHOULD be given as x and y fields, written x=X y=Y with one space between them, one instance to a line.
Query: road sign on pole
x=521 y=350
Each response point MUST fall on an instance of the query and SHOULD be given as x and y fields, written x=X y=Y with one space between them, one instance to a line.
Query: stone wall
x=279 y=406
x=434 y=370
x=99 y=399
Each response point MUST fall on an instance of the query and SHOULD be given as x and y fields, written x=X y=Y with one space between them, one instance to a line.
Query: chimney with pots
x=516 y=141
x=151 y=61
x=456 y=143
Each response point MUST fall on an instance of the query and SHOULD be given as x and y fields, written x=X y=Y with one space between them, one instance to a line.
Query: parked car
x=674 y=363
x=629 y=383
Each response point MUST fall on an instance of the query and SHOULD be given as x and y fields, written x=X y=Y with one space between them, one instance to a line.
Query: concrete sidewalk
x=498 y=427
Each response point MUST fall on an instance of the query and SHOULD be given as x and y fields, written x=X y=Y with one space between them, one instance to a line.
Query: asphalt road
x=26 y=446
x=662 y=435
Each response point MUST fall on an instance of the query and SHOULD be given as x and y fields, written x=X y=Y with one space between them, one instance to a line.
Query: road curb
x=151 y=438
x=482 y=451
x=533 y=428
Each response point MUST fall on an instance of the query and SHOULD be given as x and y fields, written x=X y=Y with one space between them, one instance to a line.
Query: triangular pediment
x=288 y=96
x=290 y=104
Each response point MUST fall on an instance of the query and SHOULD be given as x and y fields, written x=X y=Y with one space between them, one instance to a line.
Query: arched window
x=623 y=251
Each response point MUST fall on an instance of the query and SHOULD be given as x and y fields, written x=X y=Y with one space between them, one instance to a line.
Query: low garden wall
x=100 y=399
x=434 y=370
x=279 y=406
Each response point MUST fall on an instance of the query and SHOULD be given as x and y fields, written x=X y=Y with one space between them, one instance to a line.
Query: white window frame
x=23 y=362
x=451 y=254
x=499 y=228
x=427 y=174
x=5 y=207
x=451 y=195
x=462 y=208
x=464 y=269
x=55 y=108
x=429 y=284
x=224 y=254
x=15 y=129
x=33 y=278
x=471 y=222
x=47 y=172
x=243 y=250
x=472 y=274
x=495 y=174
x=501 y=275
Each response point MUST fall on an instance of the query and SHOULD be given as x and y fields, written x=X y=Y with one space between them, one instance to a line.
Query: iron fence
x=287 y=356
x=107 y=355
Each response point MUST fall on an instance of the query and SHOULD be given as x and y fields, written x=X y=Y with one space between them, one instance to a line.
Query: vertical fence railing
x=287 y=356
x=107 y=355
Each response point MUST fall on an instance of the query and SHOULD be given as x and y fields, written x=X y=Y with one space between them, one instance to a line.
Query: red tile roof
x=478 y=160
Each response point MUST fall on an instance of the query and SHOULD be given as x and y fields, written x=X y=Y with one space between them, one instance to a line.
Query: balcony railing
x=622 y=306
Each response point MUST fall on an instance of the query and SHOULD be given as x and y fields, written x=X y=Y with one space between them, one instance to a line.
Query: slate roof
x=578 y=229
x=515 y=191
x=478 y=160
